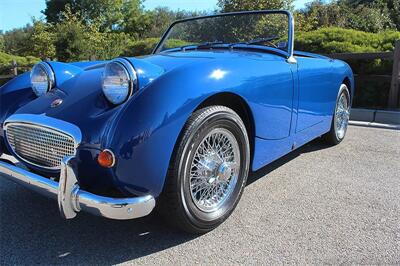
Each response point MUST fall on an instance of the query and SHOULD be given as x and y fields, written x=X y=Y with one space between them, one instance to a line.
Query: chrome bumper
x=72 y=199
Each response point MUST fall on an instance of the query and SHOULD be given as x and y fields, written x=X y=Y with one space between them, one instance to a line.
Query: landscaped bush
x=6 y=64
x=6 y=59
x=337 y=40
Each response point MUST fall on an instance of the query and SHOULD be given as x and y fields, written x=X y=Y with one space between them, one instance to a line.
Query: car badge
x=56 y=102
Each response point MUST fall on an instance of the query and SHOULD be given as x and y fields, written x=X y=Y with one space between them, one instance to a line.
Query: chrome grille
x=38 y=145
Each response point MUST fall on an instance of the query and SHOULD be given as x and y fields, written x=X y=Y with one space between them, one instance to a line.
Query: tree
x=42 y=40
x=77 y=41
x=122 y=15
x=1 y=42
x=370 y=18
x=69 y=37
x=365 y=15
x=240 y=5
x=136 y=21
x=394 y=7
x=16 y=40
x=161 y=18
x=318 y=14
x=104 y=45
x=108 y=11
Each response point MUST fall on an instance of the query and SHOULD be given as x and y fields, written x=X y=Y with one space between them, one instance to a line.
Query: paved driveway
x=317 y=205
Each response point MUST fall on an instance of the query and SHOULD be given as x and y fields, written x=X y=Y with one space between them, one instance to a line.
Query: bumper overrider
x=71 y=198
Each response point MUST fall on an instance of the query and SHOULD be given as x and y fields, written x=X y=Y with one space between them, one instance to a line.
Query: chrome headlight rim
x=49 y=73
x=132 y=77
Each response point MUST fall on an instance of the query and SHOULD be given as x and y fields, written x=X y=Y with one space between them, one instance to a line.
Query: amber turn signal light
x=106 y=158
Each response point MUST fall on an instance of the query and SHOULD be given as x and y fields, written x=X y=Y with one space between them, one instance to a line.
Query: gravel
x=317 y=205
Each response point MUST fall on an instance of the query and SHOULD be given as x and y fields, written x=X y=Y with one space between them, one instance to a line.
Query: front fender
x=15 y=94
x=144 y=134
x=63 y=72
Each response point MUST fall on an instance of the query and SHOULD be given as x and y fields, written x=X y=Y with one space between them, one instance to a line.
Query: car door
x=315 y=82
x=269 y=89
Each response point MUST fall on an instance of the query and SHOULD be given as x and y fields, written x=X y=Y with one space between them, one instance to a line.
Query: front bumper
x=72 y=199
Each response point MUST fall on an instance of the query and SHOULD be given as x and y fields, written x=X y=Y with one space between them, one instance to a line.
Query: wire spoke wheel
x=209 y=170
x=342 y=115
x=214 y=170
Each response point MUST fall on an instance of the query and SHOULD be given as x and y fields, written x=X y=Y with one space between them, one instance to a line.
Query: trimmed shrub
x=6 y=59
x=338 y=40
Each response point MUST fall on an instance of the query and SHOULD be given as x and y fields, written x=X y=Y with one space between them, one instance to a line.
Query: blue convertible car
x=179 y=129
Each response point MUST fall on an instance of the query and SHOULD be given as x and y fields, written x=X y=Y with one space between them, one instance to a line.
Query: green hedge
x=6 y=59
x=337 y=40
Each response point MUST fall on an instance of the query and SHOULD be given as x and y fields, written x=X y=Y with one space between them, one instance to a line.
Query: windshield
x=246 y=29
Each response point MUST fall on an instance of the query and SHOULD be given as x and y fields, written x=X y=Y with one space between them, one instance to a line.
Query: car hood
x=78 y=86
x=170 y=61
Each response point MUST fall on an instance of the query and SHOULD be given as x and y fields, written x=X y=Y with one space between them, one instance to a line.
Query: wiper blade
x=257 y=41
x=202 y=45
x=261 y=40
x=209 y=44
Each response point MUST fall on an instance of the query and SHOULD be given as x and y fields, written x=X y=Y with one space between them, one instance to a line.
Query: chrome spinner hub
x=214 y=170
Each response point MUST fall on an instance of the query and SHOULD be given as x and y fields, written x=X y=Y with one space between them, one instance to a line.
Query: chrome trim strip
x=72 y=199
x=290 y=53
x=51 y=82
x=133 y=86
x=291 y=59
x=113 y=156
x=50 y=74
x=49 y=122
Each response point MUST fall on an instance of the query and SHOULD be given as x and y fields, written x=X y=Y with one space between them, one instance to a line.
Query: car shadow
x=315 y=145
x=32 y=232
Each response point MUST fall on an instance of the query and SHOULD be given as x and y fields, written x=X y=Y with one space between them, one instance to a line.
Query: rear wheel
x=340 y=118
x=208 y=171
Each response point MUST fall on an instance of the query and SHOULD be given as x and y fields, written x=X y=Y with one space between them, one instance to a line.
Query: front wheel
x=340 y=119
x=208 y=171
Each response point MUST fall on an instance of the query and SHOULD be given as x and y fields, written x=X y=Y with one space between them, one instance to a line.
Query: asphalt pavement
x=317 y=205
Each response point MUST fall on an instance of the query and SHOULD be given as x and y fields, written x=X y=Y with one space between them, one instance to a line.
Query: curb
x=373 y=124
x=375 y=116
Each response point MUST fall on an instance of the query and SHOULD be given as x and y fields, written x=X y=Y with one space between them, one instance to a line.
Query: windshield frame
x=289 y=54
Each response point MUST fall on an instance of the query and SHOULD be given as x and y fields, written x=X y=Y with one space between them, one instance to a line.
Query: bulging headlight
x=42 y=78
x=119 y=81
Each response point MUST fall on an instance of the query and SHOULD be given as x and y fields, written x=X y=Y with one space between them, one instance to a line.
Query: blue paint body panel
x=289 y=104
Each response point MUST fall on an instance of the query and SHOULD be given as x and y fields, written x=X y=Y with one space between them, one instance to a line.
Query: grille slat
x=39 y=145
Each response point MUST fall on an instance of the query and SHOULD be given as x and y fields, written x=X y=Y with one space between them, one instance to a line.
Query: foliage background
x=75 y=30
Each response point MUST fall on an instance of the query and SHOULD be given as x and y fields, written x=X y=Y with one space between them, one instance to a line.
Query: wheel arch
x=349 y=85
x=240 y=106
